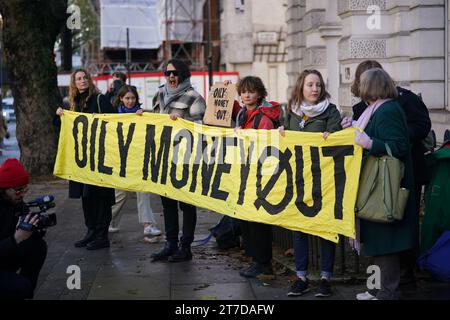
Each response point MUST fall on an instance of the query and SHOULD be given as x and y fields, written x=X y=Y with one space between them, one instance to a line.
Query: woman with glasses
x=178 y=99
x=96 y=201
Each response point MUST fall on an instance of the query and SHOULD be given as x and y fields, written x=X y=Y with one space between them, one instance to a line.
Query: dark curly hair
x=252 y=84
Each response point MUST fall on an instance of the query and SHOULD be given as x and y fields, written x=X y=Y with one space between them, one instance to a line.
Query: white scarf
x=311 y=111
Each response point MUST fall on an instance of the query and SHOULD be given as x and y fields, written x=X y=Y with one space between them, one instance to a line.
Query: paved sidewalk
x=124 y=271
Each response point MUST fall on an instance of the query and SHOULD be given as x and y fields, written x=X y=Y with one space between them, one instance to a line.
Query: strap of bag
x=98 y=104
x=201 y=242
x=388 y=149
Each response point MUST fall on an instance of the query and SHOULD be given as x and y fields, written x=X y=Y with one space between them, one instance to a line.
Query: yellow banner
x=299 y=182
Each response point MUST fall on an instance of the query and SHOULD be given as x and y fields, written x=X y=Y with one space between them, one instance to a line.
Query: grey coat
x=190 y=105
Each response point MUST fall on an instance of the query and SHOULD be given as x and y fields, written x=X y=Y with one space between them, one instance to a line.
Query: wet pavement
x=125 y=271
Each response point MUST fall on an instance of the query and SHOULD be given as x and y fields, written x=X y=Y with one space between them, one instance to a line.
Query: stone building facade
x=253 y=34
x=408 y=37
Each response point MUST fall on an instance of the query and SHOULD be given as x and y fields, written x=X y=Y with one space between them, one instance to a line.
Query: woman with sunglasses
x=178 y=98
x=96 y=201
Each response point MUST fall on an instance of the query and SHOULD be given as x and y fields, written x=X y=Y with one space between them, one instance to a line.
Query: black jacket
x=98 y=103
x=8 y=222
x=419 y=125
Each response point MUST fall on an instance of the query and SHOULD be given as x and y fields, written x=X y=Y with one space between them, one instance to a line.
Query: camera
x=39 y=207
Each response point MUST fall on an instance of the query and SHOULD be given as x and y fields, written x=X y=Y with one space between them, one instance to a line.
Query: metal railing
x=347 y=262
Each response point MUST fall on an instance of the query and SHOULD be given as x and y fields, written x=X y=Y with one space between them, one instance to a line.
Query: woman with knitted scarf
x=178 y=99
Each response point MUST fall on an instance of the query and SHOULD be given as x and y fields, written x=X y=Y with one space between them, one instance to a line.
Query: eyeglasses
x=175 y=73
x=20 y=190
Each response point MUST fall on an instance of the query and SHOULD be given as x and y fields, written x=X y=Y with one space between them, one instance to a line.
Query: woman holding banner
x=257 y=113
x=311 y=111
x=96 y=201
x=178 y=98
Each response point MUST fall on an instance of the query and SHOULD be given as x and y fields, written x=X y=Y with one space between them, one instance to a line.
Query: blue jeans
x=301 y=255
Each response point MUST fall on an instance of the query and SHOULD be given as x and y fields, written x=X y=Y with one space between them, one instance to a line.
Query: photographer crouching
x=21 y=245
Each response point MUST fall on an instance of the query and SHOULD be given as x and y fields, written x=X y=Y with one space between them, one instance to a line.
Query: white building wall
x=334 y=37
x=239 y=33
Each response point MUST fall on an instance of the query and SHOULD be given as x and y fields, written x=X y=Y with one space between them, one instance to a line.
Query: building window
x=239 y=5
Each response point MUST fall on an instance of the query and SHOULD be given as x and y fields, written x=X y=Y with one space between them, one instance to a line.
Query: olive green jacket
x=329 y=121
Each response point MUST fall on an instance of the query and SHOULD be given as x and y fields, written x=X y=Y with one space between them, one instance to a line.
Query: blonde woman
x=96 y=201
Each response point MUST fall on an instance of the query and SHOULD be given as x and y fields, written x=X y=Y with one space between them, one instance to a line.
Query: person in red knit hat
x=20 y=249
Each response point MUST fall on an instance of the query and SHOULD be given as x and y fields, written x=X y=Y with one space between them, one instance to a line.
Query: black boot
x=182 y=254
x=100 y=241
x=166 y=252
x=90 y=235
x=257 y=269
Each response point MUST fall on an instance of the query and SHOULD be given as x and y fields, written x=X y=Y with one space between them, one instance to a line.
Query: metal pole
x=128 y=56
x=167 y=45
x=209 y=59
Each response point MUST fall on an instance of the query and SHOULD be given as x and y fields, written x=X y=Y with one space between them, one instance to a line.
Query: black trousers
x=97 y=214
x=28 y=260
x=257 y=241
x=170 y=209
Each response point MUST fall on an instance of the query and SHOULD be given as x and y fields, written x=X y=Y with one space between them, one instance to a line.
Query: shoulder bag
x=380 y=196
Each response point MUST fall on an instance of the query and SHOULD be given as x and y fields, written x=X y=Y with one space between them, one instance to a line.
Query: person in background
x=96 y=201
x=127 y=101
x=310 y=110
x=119 y=79
x=3 y=131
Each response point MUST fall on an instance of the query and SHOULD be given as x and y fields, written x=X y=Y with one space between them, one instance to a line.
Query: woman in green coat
x=384 y=122
x=311 y=111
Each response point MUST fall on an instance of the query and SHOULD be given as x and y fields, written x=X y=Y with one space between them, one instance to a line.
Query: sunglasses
x=20 y=190
x=175 y=73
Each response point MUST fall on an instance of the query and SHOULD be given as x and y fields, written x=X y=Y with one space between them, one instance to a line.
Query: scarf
x=310 y=111
x=122 y=109
x=241 y=117
x=172 y=94
x=363 y=120
x=80 y=101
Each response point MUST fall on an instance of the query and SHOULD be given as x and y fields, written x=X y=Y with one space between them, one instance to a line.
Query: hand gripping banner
x=299 y=182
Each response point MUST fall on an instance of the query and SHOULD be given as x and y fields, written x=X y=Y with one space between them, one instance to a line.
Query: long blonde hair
x=73 y=90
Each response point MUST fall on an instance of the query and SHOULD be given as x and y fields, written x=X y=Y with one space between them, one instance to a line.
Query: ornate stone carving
x=363 y=4
x=362 y=48
x=313 y=19
x=353 y=5
x=315 y=56
x=368 y=48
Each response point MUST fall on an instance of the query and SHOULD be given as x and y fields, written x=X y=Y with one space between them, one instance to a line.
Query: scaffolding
x=182 y=31
x=183 y=25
